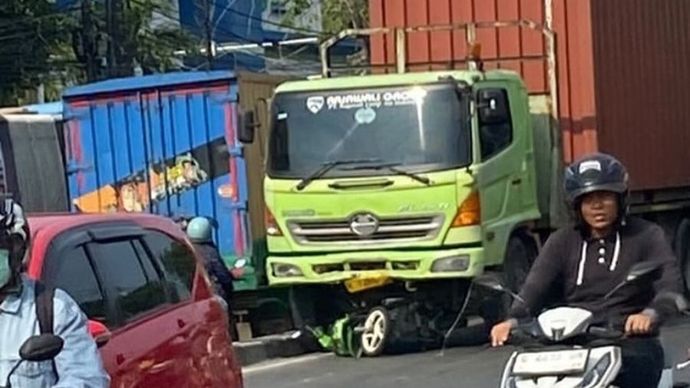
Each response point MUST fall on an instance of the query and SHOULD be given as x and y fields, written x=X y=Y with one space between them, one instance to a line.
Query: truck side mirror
x=492 y=106
x=247 y=126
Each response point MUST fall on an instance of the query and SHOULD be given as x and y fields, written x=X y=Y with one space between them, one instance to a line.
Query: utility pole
x=110 y=30
x=86 y=43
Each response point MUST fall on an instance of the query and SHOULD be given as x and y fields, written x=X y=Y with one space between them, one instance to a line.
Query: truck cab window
x=494 y=136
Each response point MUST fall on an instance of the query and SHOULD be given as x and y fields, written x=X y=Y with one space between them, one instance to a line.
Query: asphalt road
x=458 y=367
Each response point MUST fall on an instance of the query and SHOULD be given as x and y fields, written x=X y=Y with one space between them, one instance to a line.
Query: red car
x=147 y=297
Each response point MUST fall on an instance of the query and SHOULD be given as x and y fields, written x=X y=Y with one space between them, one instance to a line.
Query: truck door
x=505 y=155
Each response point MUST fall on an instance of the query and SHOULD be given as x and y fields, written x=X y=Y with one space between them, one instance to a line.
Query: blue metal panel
x=160 y=148
x=166 y=80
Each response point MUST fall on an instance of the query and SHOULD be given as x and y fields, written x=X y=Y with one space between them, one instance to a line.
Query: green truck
x=385 y=194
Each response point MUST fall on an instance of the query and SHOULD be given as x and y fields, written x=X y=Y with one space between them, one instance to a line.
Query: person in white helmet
x=199 y=230
x=79 y=363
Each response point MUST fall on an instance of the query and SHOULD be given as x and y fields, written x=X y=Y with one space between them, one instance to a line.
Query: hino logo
x=315 y=103
x=364 y=225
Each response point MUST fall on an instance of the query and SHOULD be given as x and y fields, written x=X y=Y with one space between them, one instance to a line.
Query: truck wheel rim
x=374 y=331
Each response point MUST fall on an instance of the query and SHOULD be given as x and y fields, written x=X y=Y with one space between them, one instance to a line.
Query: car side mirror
x=492 y=106
x=42 y=347
x=247 y=125
x=99 y=332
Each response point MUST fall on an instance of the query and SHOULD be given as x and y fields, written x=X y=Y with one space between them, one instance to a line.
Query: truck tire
x=520 y=254
x=377 y=326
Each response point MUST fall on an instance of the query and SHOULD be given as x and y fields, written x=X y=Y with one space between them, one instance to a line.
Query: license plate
x=362 y=283
x=551 y=363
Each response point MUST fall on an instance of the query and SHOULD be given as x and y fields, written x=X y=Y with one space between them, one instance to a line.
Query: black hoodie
x=583 y=280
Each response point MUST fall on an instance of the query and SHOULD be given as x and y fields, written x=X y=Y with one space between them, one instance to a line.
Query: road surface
x=458 y=367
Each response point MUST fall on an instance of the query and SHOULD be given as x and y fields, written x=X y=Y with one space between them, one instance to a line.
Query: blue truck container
x=167 y=144
x=164 y=144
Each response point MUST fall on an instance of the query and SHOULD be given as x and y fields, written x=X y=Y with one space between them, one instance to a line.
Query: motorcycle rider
x=79 y=363
x=589 y=259
x=199 y=231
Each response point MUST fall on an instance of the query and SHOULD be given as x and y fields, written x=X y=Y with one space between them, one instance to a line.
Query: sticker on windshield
x=376 y=99
x=365 y=116
x=315 y=103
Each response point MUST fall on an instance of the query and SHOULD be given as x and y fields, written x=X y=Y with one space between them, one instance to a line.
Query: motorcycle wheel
x=376 y=330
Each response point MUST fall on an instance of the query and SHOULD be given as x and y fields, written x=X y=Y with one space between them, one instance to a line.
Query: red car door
x=150 y=345
x=213 y=363
x=145 y=286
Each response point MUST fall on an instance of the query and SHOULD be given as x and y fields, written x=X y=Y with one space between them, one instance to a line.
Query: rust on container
x=518 y=49
x=621 y=69
x=642 y=51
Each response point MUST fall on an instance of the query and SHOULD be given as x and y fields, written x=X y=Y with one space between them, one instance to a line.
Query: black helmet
x=598 y=172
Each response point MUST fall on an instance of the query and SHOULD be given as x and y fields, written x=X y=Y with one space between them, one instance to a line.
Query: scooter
x=567 y=348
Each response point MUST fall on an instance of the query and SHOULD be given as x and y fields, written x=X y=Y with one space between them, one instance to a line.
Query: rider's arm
x=668 y=286
x=544 y=271
x=79 y=363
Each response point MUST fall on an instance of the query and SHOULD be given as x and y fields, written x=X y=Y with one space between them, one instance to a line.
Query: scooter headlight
x=597 y=373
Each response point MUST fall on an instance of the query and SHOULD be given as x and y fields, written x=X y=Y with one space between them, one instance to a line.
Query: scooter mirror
x=41 y=347
x=637 y=271
x=491 y=282
x=640 y=269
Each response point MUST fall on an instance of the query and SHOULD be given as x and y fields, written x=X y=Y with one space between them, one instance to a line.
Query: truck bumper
x=397 y=265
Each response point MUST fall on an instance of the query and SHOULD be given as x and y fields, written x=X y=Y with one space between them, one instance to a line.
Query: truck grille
x=399 y=229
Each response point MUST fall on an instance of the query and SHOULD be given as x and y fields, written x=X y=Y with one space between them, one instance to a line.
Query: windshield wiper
x=326 y=167
x=392 y=167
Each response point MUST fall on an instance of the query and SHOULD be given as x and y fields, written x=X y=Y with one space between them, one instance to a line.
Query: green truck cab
x=386 y=194
x=425 y=187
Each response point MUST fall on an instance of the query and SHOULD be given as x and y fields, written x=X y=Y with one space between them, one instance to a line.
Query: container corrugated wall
x=501 y=47
x=165 y=149
x=621 y=66
x=642 y=62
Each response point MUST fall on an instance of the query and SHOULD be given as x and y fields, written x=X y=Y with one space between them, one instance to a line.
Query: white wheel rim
x=374 y=331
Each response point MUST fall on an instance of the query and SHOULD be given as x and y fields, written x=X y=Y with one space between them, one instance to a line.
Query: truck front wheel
x=520 y=254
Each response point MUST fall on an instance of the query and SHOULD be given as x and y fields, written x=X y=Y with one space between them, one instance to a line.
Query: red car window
x=178 y=262
x=134 y=290
x=76 y=277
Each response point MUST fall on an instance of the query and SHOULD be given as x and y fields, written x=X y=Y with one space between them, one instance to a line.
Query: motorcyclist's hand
x=638 y=324
x=500 y=333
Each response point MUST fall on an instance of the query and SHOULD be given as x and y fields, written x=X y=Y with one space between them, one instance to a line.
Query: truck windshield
x=418 y=128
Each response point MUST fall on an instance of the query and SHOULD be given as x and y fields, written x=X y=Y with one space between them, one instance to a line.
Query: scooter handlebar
x=605 y=333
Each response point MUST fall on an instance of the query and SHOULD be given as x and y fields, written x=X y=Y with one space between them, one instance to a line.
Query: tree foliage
x=31 y=41
x=41 y=45
x=149 y=36
x=336 y=15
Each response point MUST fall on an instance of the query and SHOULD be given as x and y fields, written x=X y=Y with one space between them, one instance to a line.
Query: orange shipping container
x=622 y=69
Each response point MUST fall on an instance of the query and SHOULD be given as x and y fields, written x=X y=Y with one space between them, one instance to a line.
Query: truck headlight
x=284 y=270
x=458 y=263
